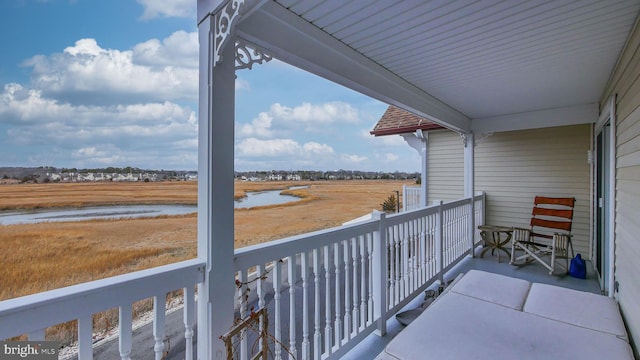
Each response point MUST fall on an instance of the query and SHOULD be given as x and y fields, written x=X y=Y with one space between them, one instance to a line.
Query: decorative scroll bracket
x=248 y=54
x=483 y=136
x=225 y=20
x=464 y=139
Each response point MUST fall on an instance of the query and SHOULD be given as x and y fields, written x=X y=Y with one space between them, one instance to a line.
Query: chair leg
x=513 y=252
x=553 y=260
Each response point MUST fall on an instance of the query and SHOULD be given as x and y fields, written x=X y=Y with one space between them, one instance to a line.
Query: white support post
x=425 y=172
x=380 y=274
x=469 y=181
x=215 y=191
x=469 y=144
x=419 y=141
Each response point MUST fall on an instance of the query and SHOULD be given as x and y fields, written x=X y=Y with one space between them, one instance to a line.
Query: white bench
x=489 y=316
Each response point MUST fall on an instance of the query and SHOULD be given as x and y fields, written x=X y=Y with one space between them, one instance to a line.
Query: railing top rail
x=395 y=219
x=274 y=250
x=38 y=311
x=398 y=218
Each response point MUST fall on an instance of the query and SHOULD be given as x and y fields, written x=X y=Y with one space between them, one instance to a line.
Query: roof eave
x=405 y=130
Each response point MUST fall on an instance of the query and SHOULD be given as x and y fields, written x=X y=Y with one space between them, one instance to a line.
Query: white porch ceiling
x=460 y=62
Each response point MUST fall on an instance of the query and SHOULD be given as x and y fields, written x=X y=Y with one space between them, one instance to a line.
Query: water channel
x=253 y=199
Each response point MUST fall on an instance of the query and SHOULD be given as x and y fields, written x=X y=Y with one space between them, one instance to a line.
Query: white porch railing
x=328 y=290
x=34 y=313
x=410 y=197
x=325 y=291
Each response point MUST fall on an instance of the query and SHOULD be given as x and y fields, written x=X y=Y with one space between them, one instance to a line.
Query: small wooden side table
x=495 y=238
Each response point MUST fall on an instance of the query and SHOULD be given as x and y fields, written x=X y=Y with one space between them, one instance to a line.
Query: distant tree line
x=39 y=174
x=330 y=175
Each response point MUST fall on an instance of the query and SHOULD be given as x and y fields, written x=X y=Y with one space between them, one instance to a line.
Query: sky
x=94 y=83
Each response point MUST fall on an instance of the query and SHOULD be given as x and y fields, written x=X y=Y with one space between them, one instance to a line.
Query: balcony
x=325 y=291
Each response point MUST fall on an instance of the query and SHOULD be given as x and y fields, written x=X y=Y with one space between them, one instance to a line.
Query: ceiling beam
x=295 y=41
x=571 y=115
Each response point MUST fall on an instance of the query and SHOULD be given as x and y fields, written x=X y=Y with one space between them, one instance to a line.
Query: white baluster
x=354 y=300
x=347 y=293
x=327 y=300
x=427 y=248
x=439 y=242
x=446 y=236
x=405 y=259
x=423 y=249
x=159 y=304
x=370 y=277
x=291 y=262
x=261 y=300
x=317 y=337
x=391 y=244
x=277 y=280
x=124 y=329
x=398 y=265
x=85 y=337
x=304 y=267
x=363 y=282
x=243 y=299
x=415 y=256
x=338 y=317
x=189 y=320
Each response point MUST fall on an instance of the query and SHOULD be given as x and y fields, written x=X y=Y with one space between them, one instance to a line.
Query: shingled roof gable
x=397 y=121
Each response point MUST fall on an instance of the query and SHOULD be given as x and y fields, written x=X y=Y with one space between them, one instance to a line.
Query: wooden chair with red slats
x=549 y=234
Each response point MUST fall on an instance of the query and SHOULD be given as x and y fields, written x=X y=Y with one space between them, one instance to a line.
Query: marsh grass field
x=45 y=256
x=50 y=255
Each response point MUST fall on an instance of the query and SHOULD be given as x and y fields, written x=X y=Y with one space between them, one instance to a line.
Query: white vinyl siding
x=513 y=167
x=625 y=83
x=446 y=166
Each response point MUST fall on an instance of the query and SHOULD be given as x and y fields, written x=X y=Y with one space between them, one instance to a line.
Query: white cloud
x=253 y=147
x=90 y=151
x=387 y=140
x=326 y=113
x=179 y=49
x=259 y=127
x=168 y=8
x=389 y=157
x=242 y=84
x=100 y=135
x=152 y=71
x=20 y=105
x=282 y=120
x=353 y=158
x=91 y=106
x=314 y=148
x=270 y=148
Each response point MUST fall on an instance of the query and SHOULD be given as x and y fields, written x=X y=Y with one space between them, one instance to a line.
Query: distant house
x=415 y=130
x=54 y=176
